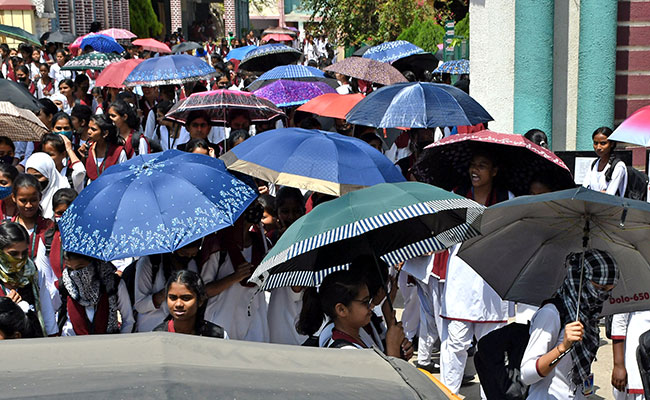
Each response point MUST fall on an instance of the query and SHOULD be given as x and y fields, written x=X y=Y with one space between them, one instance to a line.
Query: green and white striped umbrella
x=20 y=34
x=393 y=221
x=94 y=60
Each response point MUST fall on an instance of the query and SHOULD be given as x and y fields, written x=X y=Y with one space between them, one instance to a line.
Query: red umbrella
x=446 y=163
x=278 y=37
x=116 y=33
x=115 y=74
x=332 y=105
x=152 y=45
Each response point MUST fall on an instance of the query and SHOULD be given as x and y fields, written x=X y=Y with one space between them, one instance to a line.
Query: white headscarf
x=43 y=163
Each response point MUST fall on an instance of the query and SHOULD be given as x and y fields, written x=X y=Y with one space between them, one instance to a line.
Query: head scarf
x=43 y=163
x=17 y=274
x=601 y=268
x=60 y=97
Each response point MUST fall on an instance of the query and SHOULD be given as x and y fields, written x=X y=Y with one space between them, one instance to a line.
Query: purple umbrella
x=285 y=93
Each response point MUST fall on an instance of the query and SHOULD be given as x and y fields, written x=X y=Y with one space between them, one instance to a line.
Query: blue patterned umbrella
x=239 y=53
x=455 y=67
x=290 y=72
x=268 y=56
x=390 y=52
x=153 y=203
x=169 y=70
x=102 y=44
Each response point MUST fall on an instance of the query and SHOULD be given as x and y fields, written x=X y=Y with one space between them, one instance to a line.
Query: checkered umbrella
x=19 y=124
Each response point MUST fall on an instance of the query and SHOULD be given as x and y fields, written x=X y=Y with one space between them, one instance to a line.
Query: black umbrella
x=18 y=95
x=417 y=63
x=269 y=56
x=61 y=37
x=185 y=46
x=361 y=51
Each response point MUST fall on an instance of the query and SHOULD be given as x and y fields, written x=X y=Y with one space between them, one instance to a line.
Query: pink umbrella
x=115 y=74
x=152 y=45
x=635 y=129
x=116 y=33
x=278 y=37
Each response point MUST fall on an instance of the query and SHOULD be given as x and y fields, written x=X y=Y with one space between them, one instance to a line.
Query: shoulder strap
x=135 y=142
x=63 y=309
x=613 y=161
x=155 y=260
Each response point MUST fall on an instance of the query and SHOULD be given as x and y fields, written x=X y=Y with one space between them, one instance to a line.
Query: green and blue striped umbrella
x=17 y=33
x=393 y=221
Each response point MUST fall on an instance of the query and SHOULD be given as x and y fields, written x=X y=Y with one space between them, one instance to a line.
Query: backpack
x=643 y=360
x=637 y=181
x=154 y=144
x=498 y=360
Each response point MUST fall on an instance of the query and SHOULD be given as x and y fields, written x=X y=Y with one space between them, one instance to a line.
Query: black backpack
x=154 y=144
x=643 y=360
x=637 y=181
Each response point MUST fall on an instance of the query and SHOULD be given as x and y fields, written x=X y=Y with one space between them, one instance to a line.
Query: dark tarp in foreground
x=176 y=366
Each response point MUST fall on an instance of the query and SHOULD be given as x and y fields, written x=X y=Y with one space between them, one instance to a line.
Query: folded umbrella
x=152 y=45
x=368 y=70
x=635 y=129
x=332 y=105
x=18 y=95
x=292 y=73
x=185 y=46
x=268 y=56
x=94 y=60
x=101 y=43
x=418 y=105
x=292 y=93
x=392 y=221
x=117 y=33
x=239 y=53
x=20 y=34
x=174 y=69
x=153 y=203
x=219 y=103
x=115 y=74
x=454 y=67
x=325 y=162
x=61 y=37
x=19 y=124
x=525 y=241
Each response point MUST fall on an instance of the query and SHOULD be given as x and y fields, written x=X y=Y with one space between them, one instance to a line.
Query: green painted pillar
x=596 y=69
x=533 y=93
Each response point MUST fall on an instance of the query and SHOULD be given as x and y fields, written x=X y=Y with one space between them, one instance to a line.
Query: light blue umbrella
x=102 y=44
x=169 y=70
x=153 y=203
x=454 y=67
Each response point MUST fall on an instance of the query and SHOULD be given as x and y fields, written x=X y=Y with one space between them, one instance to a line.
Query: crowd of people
x=202 y=288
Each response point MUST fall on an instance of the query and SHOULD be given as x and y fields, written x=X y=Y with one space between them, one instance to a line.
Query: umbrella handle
x=384 y=285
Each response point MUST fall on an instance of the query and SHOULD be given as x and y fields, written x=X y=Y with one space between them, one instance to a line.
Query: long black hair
x=123 y=108
x=194 y=284
x=106 y=126
x=12 y=319
x=12 y=232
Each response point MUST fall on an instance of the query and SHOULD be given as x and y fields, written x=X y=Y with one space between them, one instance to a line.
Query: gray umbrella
x=185 y=46
x=61 y=37
x=164 y=365
x=525 y=241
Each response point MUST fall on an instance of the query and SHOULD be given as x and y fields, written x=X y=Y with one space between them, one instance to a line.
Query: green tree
x=429 y=35
x=144 y=21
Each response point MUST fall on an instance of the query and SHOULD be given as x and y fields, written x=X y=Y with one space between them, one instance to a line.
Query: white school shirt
x=325 y=337
x=230 y=308
x=284 y=311
x=123 y=305
x=98 y=161
x=547 y=332
x=595 y=180
x=629 y=327
x=149 y=316
x=78 y=174
x=58 y=75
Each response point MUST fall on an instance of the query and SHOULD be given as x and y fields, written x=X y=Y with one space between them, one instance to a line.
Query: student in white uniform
x=168 y=134
x=42 y=167
x=626 y=330
x=554 y=330
x=470 y=307
x=68 y=165
x=596 y=179
x=151 y=275
x=94 y=300
x=411 y=314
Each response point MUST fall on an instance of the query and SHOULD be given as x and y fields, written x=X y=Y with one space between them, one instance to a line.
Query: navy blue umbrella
x=418 y=105
x=390 y=52
x=153 y=203
x=292 y=73
x=325 y=162
x=102 y=44
x=169 y=70
x=268 y=56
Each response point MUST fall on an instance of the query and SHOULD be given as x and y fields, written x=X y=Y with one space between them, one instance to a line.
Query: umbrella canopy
x=102 y=44
x=292 y=93
x=394 y=221
x=152 y=45
x=19 y=124
x=115 y=74
x=185 y=46
x=239 y=53
x=635 y=129
x=278 y=37
x=169 y=70
x=18 y=95
x=17 y=33
x=446 y=163
x=219 y=103
x=116 y=33
x=529 y=237
x=268 y=56
x=368 y=70
x=332 y=105
x=61 y=37
x=417 y=63
x=418 y=105
x=361 y=50
x=153 y=203
x=95 y=61
x=390 y=52
x=140 y=366
x=454 y=67
x=75 y=47
x=325 y=162
x=293 y=73
x=279 y=30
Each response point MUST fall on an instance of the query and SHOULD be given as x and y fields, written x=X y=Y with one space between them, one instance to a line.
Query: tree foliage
x=144 y=21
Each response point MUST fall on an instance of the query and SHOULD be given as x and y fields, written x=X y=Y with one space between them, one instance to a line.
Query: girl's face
x=94 y=133
x=5 y=181
x=21 y=76
x=56 y=156
x=60 y=59
x=268 y=220
x=59 y=209
x=538 y=188
x=65 y=89
x=160 y=118
x=183 y=304
x=36 y=55
x=482 y=171
x=602 y=146
x=27 y=200
x=44 y=72
x=359 y=311
x=117 y=119
x=62 y=125
x=40 y=177
x=289 y=211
